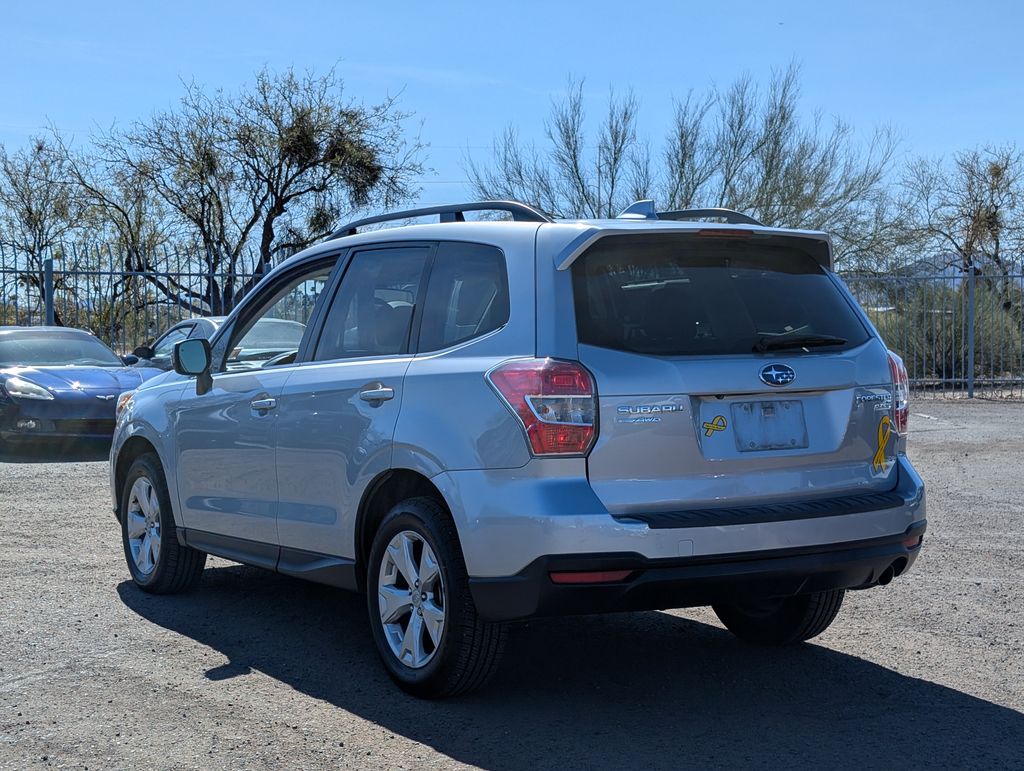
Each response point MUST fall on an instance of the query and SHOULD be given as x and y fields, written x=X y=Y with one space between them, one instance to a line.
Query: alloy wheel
x=411 y=598
x=143 y=526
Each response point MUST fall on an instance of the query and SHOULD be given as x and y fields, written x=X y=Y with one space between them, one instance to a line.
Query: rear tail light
x=901 y=392
x=554 y=400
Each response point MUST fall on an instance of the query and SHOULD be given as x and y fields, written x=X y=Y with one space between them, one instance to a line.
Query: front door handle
x=378 y=394
x=263 y=405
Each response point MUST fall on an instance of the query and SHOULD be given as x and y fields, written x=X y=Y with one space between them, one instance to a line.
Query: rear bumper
x=508 y=519
x=676 y=583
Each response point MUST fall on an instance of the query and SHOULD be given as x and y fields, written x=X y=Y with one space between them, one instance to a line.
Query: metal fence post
x=971 y=279
x=48 y=289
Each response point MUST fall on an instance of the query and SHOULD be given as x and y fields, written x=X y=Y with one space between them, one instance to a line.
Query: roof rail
x=644 y=210
x=449 y=213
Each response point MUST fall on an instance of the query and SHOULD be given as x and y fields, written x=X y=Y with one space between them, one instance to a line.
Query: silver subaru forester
x=494 y=420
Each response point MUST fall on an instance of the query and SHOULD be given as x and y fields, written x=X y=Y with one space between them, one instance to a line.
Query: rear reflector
x=913 y=542
x=590 y=577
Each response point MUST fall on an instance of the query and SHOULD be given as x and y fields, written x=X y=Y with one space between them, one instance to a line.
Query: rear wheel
x=157 y=562
x=775 y=621
x=424 y=622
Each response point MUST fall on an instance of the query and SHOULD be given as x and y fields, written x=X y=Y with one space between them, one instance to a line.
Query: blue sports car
x=59 y=384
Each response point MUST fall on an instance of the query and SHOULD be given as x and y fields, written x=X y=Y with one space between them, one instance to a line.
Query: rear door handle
x=379 y=394
x=263 y=405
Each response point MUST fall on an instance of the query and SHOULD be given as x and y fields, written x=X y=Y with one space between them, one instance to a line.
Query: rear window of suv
x=679 y=296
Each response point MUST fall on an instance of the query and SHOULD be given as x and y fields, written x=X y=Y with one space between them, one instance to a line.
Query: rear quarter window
x=686 y=295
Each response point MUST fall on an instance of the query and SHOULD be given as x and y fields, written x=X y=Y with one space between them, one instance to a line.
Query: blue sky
x=946 y=75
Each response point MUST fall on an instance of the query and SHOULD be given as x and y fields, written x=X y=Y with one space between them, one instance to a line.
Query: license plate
x=769 y=425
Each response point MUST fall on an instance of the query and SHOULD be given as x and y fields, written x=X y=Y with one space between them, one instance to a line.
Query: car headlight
x=122 y=403
x=20 y=388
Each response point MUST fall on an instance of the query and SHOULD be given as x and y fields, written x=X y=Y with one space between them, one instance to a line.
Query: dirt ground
x=257 y=670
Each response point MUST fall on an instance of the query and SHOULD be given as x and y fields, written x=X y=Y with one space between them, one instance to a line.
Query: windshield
x=52 y=349
x=678 y=296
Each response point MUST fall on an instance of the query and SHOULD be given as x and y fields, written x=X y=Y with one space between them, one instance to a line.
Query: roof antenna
x=640 y=210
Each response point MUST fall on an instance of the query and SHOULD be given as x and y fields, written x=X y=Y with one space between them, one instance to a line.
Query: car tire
x=435 y=646
x=781 y=621
x=157 y=562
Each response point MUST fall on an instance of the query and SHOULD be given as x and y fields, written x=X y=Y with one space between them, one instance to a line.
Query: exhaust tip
x=886 y=576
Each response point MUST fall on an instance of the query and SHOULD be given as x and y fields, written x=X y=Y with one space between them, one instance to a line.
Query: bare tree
x=125 y=225
x=742 y=147
x=749 y=150
x=258 y=175
x=969 y=213
x=122 y=209
x=38 y=209
x=575 y=175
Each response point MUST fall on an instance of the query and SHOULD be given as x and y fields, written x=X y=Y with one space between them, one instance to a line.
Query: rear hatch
x=732 y=370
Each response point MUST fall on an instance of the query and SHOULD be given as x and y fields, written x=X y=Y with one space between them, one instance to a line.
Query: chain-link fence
x=958 y=334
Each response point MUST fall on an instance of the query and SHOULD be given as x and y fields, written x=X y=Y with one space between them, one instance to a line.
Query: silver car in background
x=270 y=337
x=489 y=421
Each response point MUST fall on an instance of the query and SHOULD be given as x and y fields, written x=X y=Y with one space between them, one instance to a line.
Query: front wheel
x=157 y=562
x=781 y=621
x=424 y=622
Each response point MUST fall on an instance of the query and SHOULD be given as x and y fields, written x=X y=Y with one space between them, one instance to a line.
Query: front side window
x=272 y=336
x=467 y=295
x=372 y=313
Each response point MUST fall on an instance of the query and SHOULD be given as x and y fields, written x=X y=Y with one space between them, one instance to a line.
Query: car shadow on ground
x=629 y=690
x=48 y=451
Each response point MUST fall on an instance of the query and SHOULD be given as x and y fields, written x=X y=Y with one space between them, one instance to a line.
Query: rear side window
x=372 y=313
x=467 y=295
x=679 y=296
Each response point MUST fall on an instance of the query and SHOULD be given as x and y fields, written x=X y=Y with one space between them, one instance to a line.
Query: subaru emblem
x=777 y=374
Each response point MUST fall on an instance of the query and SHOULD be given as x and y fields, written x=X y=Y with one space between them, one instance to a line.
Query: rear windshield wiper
x=801 y=341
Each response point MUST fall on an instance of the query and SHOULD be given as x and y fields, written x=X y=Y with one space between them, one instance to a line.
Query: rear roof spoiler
x=817 y=244
x=645 y=210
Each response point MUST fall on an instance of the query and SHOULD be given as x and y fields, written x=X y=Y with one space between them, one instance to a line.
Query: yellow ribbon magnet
x=718 y=423
x=884 y=432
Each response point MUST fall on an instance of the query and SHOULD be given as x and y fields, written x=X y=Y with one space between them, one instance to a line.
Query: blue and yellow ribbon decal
x=884 y=432
x=718 y=423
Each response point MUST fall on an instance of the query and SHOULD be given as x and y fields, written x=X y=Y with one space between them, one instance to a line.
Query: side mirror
x=193 y=358
x=130 y=359
x=143 y=352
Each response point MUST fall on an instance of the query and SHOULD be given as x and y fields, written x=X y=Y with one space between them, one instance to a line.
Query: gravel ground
x=257 y=670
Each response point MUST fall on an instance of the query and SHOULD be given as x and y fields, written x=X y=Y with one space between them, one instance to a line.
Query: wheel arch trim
x=382 y=492
x=135 y=441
